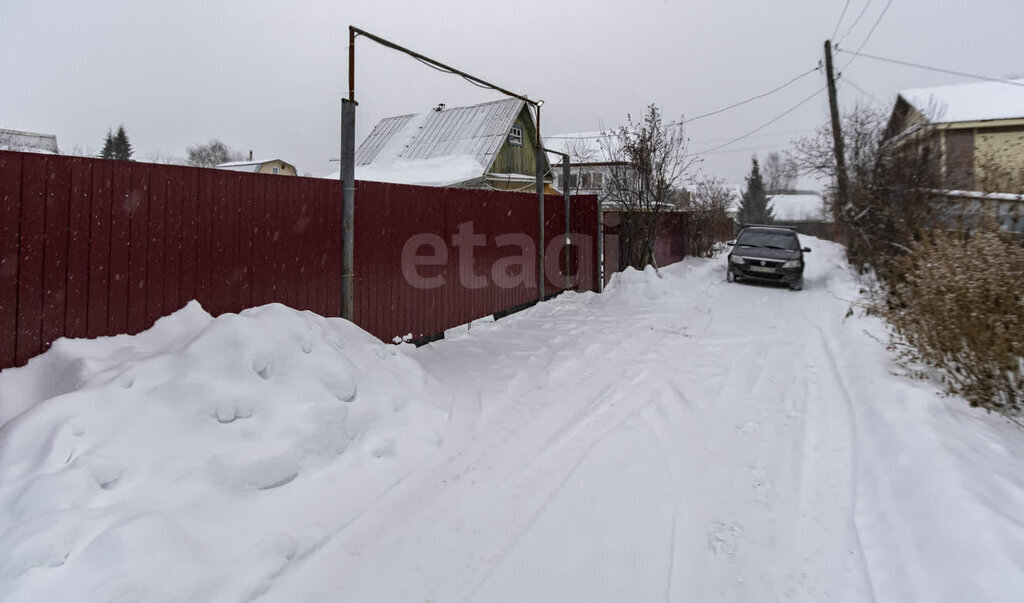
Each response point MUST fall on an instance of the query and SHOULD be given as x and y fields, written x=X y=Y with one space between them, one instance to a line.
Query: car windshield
x=772 y=240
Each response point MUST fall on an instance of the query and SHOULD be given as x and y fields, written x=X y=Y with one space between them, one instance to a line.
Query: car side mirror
x=730 y=243
x=806 y=249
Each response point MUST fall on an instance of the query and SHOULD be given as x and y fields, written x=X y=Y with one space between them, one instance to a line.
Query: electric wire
x=863 y=11
x=703 y=115
x=840 y=21
x=929 y=68
x=764 y=125
x=870 y=33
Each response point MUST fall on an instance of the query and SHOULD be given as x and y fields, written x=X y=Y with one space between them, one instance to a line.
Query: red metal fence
x=91 y=247
x=678 y=236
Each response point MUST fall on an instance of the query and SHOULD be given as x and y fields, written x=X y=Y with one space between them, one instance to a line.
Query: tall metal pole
x=837 y=133
x=600 y=248
x=348 y=188
x=348 y=184
x=540 y=210
x=565 y=195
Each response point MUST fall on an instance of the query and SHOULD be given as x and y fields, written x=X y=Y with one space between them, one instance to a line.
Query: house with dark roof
x=16 y=140
x=491 y=146
x=977 y=129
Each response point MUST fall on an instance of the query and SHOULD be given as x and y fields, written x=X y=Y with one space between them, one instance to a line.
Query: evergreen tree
x=122 y=148
x=108 y=146
x=754 y=205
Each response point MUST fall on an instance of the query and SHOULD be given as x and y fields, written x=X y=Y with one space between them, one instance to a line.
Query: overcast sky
x=268 y=76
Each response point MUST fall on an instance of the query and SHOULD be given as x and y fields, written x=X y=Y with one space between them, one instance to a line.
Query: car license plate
x=767 y=269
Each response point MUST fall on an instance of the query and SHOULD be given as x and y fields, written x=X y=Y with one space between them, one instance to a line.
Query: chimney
x=250 y=154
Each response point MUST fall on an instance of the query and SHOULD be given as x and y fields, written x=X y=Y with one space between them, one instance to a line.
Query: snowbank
x=197 y=460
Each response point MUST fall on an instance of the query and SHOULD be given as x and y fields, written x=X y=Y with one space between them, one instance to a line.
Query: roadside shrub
x=958 y=307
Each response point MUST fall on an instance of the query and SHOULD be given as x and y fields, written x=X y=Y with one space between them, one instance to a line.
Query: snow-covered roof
x=443 y=147
x=582 y=147
x=980 y=101
x=796 y=208
x=16 y=140
x=247 y=166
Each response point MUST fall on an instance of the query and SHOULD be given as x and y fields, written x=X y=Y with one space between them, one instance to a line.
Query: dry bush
x=707 y=202
x=960 y=309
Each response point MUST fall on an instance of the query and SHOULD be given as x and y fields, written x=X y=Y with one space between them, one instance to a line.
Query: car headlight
x=735 y=259
x=792 y=264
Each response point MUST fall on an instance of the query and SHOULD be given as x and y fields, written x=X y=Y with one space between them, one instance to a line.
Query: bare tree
x=891 y=190
x=211 y=154
x=780 y=173
x=707 y=203
x=649 y=162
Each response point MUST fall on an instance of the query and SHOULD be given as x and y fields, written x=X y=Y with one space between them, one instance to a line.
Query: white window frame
x=515 y=135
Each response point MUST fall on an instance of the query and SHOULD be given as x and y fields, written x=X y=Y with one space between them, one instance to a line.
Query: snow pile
x=197 y=460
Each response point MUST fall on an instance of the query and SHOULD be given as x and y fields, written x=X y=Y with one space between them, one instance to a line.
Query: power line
x=863 y=11
x=929 y=68
x=703 y=115
x=870 y=33
x=766 y=124
x=846 y=80
x=840 y=21
x=749 y=100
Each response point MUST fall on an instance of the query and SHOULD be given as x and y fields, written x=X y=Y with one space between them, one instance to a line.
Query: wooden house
x=491 y=145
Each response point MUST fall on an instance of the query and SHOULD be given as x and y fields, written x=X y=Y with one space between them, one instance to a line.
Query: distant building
x=590 y=163
x=260 y=166
x=16 y=140
x=977 y=128
x=491 y=145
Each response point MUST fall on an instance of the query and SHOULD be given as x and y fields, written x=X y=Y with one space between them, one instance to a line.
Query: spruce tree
x=108 y=146
x=122 y=147
x=754 y=205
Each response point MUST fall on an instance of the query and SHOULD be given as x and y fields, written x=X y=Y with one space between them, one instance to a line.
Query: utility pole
x=837 y=132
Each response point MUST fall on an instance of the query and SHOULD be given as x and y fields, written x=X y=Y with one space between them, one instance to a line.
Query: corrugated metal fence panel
x=91 y=247
x=429 y=259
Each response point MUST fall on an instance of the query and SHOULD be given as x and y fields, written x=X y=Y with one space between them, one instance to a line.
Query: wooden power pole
x=837 y=132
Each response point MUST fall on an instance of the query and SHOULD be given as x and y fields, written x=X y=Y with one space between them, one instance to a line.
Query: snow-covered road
x=677 y=438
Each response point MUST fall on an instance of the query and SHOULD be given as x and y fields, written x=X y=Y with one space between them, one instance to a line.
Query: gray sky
x=268 y=76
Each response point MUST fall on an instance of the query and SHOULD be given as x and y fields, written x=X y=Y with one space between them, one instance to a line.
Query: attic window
x=516 y=136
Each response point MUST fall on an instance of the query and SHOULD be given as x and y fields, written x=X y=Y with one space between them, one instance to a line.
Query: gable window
x=515 y=136
x=275 y=170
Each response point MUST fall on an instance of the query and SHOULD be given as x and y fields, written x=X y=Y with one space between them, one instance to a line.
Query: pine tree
x=754 y=205
x=122 y=147
x=108 y=146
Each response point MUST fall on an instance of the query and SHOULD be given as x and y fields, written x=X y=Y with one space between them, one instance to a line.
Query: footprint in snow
x=723 y=539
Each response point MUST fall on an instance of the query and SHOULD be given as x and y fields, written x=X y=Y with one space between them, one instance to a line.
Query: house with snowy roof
x=978 y=129
x=16 y=140
x=487 y=146
x=592 y=158
x=260 y=166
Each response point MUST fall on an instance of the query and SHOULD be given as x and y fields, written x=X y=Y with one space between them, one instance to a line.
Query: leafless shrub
x=649 y=161
x=707 y=202
x=959 y=308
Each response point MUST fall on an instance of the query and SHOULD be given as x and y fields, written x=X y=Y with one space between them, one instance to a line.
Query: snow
x=796 y=208
x=978 y=101
x=677 y=438
x=438 y=171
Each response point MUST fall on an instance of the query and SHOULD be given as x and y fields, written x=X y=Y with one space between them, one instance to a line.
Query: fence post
x=348 y=192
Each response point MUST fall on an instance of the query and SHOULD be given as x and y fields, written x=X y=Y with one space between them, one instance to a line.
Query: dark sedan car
x=769 y=254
